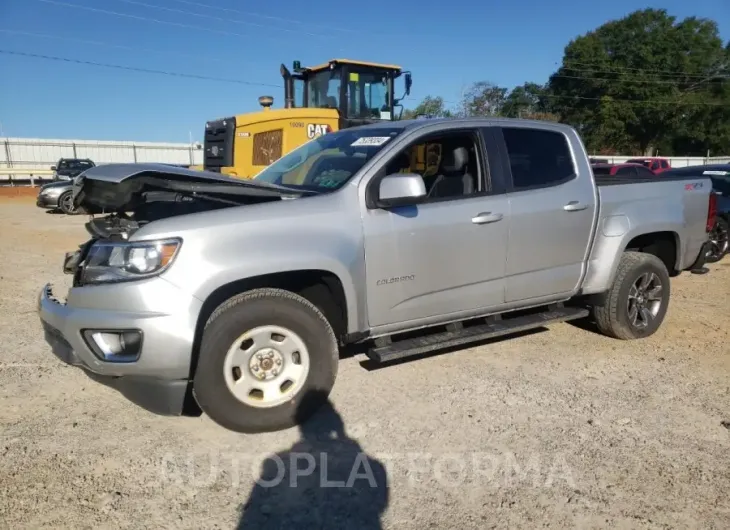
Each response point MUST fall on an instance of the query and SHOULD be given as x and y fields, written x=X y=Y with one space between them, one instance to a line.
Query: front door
x=445 y=256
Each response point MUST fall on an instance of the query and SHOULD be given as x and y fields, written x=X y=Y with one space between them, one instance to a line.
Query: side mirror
x=400 y=189
x=409 y=83
x=53 y=168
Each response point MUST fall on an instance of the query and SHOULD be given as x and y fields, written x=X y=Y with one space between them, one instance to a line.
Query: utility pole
x=192 y=157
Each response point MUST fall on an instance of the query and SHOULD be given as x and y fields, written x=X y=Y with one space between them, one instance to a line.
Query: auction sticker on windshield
x=370 y=140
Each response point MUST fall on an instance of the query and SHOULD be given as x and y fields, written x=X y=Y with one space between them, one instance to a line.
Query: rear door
x=552 y=203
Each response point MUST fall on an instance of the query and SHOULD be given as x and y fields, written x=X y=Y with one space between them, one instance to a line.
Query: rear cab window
x=626 y=172
x=601 y=170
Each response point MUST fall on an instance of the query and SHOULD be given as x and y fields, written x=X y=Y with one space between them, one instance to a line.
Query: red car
x=657 y=165
x=623 y=170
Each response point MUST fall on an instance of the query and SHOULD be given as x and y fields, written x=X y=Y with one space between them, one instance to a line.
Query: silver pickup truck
x=197 y=291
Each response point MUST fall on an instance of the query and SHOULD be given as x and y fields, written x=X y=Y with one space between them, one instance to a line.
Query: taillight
x=711 y=211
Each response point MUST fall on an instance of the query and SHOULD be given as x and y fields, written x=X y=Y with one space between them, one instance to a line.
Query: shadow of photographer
x=325 y=480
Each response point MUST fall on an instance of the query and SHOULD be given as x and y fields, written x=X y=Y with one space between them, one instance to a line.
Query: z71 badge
x=317 y=129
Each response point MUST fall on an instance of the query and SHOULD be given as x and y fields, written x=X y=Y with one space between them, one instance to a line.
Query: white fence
x=24 y=154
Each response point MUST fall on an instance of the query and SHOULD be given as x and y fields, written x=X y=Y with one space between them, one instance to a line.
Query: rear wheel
x=66 y=203
x=261 y=354
x=637 y=302
x=718 y=241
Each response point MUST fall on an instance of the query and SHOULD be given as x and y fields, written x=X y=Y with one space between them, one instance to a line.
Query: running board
x=458 y=335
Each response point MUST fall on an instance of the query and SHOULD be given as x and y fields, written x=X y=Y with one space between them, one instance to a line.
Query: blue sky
x=445 y=44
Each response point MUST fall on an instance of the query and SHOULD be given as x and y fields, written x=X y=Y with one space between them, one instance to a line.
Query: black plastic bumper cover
x=166 y=397
x=160 y=396
x=701 y=258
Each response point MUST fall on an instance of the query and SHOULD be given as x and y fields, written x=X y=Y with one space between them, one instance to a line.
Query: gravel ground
x=564 y=428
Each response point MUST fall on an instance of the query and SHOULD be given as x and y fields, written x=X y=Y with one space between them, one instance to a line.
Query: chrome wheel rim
x=266 y=366
x=645 y=300
x=718 y=241
x=67 y=203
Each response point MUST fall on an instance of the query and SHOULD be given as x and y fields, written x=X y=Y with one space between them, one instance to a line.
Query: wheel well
x=663 y=245
x=321 y=288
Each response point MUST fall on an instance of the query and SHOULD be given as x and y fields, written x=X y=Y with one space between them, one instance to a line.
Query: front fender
x=214 y=254
x=264 y=264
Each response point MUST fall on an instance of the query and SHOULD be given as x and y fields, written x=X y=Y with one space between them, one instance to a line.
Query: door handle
x=486 y=217
x=574 y=206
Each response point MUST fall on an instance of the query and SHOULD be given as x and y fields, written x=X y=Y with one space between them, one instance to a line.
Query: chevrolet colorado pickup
x=235 y=296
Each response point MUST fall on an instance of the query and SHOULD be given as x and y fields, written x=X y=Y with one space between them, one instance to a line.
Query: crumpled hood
x=56 y=184
x=123 y=187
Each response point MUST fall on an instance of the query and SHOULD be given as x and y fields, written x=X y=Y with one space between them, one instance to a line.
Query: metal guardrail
x=24 y=176
x=25 y=171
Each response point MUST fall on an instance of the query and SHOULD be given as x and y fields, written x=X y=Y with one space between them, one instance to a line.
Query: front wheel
x=719 y=241
x=262 y=353
x=66 y=203
x=635 y=305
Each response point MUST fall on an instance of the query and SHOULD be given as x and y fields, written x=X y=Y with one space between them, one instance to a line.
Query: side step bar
x=386 y=351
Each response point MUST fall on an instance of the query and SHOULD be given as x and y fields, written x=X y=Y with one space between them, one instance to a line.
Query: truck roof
x=326 y=65
x=472 y=121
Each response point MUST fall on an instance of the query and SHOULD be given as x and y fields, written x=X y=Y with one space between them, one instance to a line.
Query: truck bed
x=670 y=204
x=612 y=180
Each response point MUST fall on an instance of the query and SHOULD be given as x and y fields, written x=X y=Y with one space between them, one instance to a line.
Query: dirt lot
x=562 y=428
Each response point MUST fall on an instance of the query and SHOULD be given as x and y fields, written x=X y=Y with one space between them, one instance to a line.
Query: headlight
x=51 y=192
x=112 y=261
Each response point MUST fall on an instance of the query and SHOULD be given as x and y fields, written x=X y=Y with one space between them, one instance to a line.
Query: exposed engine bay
x=126 y=197
x=132 y=195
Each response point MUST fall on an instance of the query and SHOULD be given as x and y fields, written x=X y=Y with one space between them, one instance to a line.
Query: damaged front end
x=129 y=196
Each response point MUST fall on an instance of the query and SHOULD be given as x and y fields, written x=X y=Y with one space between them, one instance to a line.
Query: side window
x=626 y=172
x=537 y=157
x=449 y=164
x=665 y=164
x=63 y=164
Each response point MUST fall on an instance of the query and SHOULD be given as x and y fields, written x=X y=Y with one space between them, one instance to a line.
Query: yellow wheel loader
x=338 y=94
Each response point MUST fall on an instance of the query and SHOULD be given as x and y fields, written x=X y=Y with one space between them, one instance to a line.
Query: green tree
x=526 y=100
x=430 y=106
x=634 y=83
x=483 y=99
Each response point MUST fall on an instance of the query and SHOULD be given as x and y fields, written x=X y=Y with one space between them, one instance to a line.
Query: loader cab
x=361 y=92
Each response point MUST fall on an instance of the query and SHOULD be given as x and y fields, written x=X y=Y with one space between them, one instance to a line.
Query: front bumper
x=45 y=201
x=158 y=380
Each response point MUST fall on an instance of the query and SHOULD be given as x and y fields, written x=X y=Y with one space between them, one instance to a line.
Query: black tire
x=719 y=238
x=64 y=203
x=613 y=316
x=244 y=312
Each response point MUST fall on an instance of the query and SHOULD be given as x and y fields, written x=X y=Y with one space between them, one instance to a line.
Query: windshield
x=329 y=161
x=74 y=164
x=324 y=89
x=368 y=95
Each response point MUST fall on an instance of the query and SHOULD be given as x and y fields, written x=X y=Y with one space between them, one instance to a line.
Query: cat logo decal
x=317 y=129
